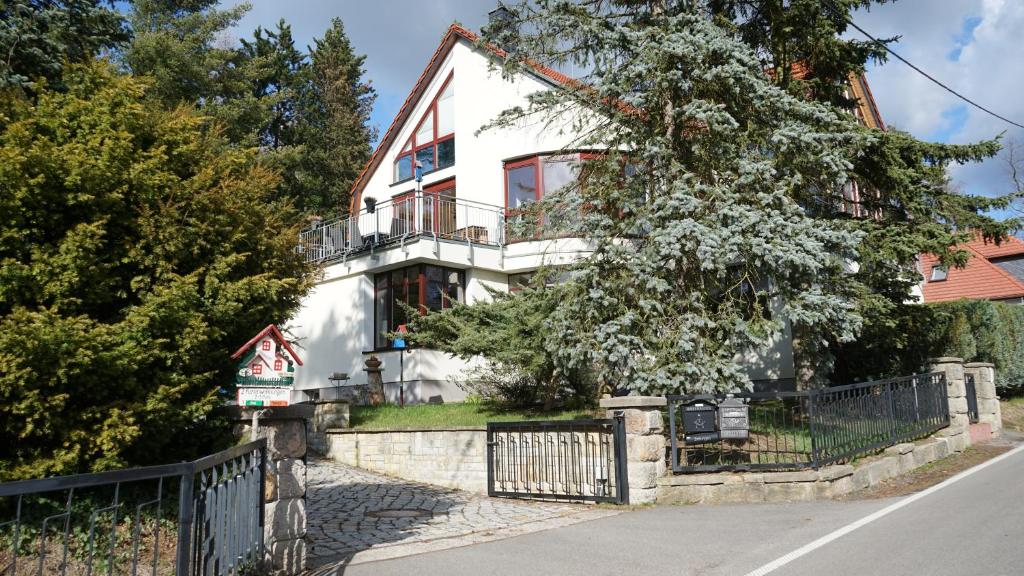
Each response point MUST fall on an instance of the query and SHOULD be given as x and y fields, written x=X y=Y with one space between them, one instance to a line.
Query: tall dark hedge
x=137 y=249
x=975 y=330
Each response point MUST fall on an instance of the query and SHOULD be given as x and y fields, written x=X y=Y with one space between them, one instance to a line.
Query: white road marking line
x=807 y=549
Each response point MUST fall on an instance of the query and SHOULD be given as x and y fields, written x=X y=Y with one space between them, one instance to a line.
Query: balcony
x=396 y=222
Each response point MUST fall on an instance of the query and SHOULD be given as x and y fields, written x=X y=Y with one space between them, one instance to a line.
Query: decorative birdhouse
x=265 y=371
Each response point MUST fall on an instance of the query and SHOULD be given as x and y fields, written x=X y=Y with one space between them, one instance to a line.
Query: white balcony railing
x=397 y=221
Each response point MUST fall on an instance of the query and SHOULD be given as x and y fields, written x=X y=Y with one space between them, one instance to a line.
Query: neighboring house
x=993 y=272
x=409 y=242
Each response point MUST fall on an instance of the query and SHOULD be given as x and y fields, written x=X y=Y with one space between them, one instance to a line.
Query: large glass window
x=522 y=184
x=531 y=179
x=446 y=111
x=432 y=145
x=559 y=171
x=403 y=168
x=422 y=287
x=446 y=153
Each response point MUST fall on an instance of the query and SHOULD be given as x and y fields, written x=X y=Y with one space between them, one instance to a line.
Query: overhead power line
x=850 y=21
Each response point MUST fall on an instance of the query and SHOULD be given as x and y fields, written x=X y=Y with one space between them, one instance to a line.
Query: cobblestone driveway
x=351 y=510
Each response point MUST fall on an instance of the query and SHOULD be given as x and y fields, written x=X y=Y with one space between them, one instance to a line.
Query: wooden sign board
x=264 y=396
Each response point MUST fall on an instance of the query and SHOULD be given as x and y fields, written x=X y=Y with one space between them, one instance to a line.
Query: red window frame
x=266 y=345
x=278 y=364
x=387 y=287
x=538 y=178
x=415 y=146
x=257 y=368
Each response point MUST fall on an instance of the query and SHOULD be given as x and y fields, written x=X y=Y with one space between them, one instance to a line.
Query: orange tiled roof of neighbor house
x=981 y=279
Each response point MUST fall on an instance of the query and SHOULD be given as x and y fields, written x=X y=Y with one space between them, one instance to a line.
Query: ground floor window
x=424 y=287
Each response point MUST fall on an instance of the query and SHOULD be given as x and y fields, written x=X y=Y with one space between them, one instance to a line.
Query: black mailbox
x=699 y=423
x=733 y=419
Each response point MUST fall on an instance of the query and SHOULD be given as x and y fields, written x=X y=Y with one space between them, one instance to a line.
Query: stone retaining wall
x=455 y=458
x=327 y=415
x=805 y=485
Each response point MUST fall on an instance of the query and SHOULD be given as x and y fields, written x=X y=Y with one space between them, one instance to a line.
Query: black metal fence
x=794 y=430
x=581 y=460
x=201 y=518
x=972 y=398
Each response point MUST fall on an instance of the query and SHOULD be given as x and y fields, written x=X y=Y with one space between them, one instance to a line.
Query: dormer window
x=432 y=145
x=939 y=273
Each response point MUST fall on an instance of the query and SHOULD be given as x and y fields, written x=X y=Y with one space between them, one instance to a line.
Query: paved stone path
x=351 y=510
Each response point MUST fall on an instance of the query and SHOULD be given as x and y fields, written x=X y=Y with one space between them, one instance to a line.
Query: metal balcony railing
x=398 y=221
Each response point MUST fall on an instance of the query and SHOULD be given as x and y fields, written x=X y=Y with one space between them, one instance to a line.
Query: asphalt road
x=972 y=526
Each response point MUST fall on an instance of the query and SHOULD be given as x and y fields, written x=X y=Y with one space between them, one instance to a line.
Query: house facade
x=426 y=242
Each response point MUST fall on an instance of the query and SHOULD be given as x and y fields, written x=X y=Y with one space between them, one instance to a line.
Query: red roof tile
x=1011 y=246
x=980 y=279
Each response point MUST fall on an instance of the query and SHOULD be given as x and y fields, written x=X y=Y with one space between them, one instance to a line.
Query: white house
x=411 y=242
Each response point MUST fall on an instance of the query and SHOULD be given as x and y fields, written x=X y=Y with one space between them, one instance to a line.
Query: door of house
x=435 y=214
x=439 y=208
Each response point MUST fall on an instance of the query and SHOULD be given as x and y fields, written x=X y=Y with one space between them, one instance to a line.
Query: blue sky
x=972 y=45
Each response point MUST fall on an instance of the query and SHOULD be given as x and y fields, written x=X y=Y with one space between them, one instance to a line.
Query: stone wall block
x=285 y=439
x=988 y=405
x=285 y=519
x=641 y=422
x=835 y=472
x=790 y=492
x=644 y=475
x=645 y=448
x=291 y=478
x=287 y=557
x=958 y=405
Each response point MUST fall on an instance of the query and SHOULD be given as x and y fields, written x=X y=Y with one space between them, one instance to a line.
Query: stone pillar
x=645 y=442
x=374 y=380
x=284 y=528
x=985 y=388
x=956 y=390
x=328 y=415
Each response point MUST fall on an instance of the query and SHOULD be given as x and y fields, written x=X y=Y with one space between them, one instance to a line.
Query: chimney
x=501 y=23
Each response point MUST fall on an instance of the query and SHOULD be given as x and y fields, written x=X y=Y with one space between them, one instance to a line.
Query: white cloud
x=986 y=71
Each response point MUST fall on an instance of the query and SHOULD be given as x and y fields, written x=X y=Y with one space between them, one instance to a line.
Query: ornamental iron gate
x=200 y=518
x=972 y=398
x=574 y=460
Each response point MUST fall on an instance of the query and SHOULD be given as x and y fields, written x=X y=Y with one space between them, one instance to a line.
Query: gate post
x=645 y=443
x=985 y=391
x=284 y=487
x=958 y=432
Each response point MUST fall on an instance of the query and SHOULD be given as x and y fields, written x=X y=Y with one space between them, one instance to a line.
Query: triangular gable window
x=432 y=146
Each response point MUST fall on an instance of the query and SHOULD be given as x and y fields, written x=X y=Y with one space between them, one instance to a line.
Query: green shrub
x=975 y=330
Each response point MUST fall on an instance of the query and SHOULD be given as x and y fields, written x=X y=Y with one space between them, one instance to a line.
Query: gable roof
x=455 y=32
x=273 y=331
x=980 y=279
x=453 y=35
x=1011 y=246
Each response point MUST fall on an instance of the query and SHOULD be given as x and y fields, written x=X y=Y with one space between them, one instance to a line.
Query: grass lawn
x=1013 y=413
x=413 y=416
